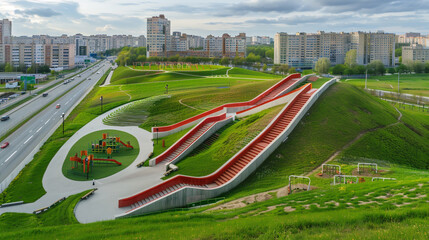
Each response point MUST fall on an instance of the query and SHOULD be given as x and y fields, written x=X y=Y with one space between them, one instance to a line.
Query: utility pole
x=399 y=72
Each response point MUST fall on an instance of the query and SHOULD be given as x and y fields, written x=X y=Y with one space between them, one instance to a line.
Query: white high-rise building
x=5 y=31
x=158 y=36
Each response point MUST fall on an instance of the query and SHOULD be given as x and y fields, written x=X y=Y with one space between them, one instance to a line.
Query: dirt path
x=186 y=105
x=120 y=89
x=359 y=136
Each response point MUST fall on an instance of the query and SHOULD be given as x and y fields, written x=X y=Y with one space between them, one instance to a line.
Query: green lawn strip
x=125 y=72
x=184 y=68
x=100 y=169
x=244 y=73
x=232 y=137
x=319 y=82
x=339 y=115
x=59 y=215
x=168 y=76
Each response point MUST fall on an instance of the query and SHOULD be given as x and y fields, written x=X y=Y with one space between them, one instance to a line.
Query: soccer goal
x=299 y=182
x=367 y=168
x=331 y=169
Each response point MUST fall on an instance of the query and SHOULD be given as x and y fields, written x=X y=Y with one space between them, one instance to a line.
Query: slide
x=127 y=145
x=108 y=160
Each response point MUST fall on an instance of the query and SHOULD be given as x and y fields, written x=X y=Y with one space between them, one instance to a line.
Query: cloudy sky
x=199 y=17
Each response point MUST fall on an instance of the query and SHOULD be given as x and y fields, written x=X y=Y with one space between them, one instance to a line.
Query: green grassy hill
x=369 y=210
x=125 y=72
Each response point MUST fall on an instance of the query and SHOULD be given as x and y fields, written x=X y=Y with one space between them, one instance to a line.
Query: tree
x=376 y=67
x=338 y=69
x=350 y=60
x=391 y=70
x=252 y=58
x=427 y=68
x=418 y=67
x=322 y=65
x=224 y=61
x=402 y=68
x=264 y=68
x=8 y=68
x=398 y=52
x=292 y=70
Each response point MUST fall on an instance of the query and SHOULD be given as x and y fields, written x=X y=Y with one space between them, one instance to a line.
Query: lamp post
x=62 y=115
x=399 y=73
x=101 y=103
x=366 y=77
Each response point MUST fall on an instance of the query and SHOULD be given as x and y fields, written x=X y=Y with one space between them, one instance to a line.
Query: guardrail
x=88 y=194
x=11 y=204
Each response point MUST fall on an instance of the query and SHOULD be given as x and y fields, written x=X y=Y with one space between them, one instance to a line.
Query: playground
x=99 y=155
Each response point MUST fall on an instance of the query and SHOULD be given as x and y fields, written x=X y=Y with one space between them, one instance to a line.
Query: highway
x=26 y=141
x=22 y=112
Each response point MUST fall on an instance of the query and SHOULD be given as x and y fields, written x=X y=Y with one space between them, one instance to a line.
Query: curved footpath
x=103 y=204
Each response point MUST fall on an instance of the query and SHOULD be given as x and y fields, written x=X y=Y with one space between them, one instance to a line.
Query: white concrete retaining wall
x=297 y=83
x=188 y=195
x=200 y=140
x=178 y=129
x=282 y=100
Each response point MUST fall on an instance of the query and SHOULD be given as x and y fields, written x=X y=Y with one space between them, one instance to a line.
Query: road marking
x=47 y=121
x=28 y=139
x=39 y=129
x=10 y=156
x=67 y=102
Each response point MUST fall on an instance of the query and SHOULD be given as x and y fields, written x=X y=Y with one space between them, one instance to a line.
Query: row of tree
x=23 y=68
x=265 y=52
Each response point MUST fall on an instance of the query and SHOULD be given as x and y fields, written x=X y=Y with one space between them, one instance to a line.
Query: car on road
x=4 y=145
x=4 y=118
x=58 y=106
x=23 y=92
x=45 y=95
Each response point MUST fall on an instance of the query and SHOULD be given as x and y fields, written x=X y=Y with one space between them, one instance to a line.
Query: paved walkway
x=107 y=82
x=103 y=204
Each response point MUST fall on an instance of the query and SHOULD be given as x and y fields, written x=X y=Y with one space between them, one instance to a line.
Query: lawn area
x=154 y=77
x=417 y=84
x=101 y=169
x=339 y=115
x=206 y=159
x=125 y=72
x=245 y=73
x=356 y=211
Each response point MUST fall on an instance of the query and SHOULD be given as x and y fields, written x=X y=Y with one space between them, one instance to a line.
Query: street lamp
x=101 y=103
x=62 y=115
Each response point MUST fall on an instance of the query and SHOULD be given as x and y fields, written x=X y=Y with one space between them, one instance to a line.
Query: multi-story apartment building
x=258 y=40
x=158 y=36
x=225 y=46
x=415 y=52
x=5 y=31
x=178 y=42
x=414 y=38
x=194 y=41
x=302 y=50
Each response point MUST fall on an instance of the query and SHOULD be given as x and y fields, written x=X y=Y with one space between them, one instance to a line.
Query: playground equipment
x=299 y=182
x=331 y=169
x=367 y=167
x=87 y=161
x=345 y=179
x=108 y=145
x=382 y=179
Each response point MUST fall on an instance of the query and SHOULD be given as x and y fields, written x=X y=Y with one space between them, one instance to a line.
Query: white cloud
x=105 y=28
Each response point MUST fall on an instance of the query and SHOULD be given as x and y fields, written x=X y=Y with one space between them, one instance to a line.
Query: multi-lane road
x=25 y=141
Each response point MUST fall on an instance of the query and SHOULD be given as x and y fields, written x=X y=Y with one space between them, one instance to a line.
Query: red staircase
x=188 y=139
x=269 y=94
x=233 y=166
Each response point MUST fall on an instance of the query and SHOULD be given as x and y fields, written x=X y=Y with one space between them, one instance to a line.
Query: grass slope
x=125 y=72
x=232 y=138
x=245 y=73
x=381 y=219
x=339 y=115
